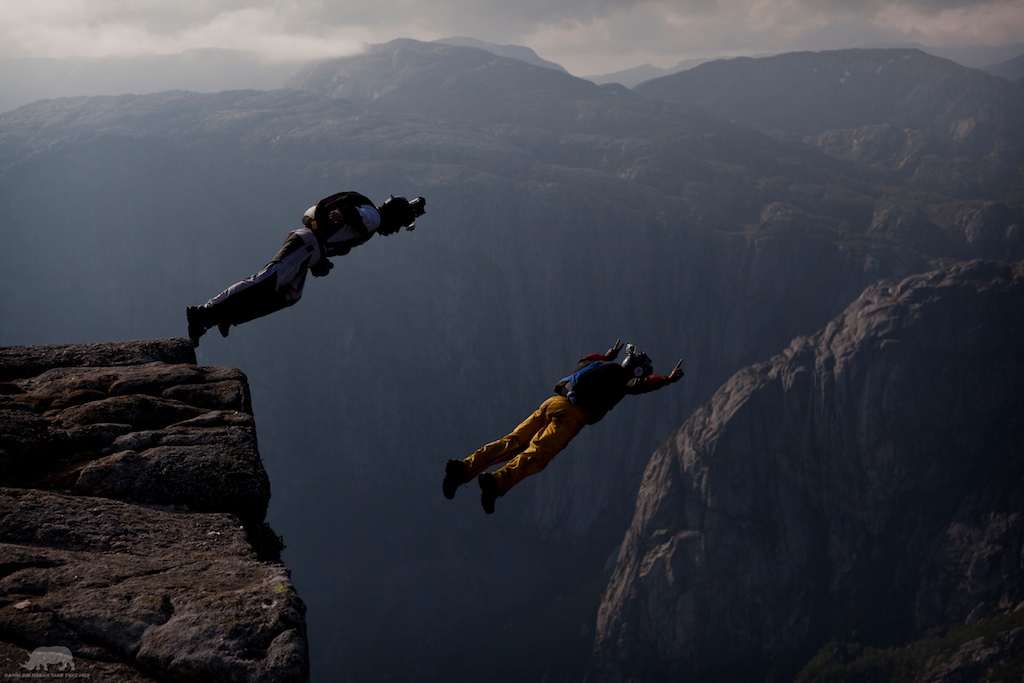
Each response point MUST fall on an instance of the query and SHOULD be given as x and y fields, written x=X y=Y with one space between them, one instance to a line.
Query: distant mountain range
x=212 y=70
x=1001 y=61
x=1011 y=69
x=561 y=215
x=519 y=52
x=927 y=120
x=208 y=70
x=645 y=72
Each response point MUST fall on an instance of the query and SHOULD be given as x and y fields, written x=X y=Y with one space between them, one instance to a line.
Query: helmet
x=637 y=363
x=398 y=212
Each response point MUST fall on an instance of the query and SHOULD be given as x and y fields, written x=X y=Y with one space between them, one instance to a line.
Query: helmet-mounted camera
x=636 y=362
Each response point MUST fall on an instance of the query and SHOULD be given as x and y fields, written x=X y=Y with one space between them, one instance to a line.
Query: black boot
x=489 y=492
x=197 y=326
x=455 y=475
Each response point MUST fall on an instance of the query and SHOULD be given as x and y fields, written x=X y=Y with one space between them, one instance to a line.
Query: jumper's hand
x=677 y=372
x=322 y=267
x=336 y=217
x=611 y=353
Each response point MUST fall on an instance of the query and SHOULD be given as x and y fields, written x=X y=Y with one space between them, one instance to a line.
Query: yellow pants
x=531 y=445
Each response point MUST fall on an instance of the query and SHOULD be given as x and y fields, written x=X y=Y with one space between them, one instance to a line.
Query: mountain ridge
x=926 y=119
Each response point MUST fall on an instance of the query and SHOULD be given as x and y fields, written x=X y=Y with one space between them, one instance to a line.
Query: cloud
x=664 y=33
x=94 y=28
x=956 y=23
x=586 y=36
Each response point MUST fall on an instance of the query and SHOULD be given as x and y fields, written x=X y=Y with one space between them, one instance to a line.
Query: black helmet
x=398 y=212
x=637 y=362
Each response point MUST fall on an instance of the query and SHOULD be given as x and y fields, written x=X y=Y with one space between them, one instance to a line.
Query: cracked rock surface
x=132 y=533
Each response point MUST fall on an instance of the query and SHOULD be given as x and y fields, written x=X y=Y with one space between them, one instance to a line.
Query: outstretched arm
x=654 y=382
x=677 y=372
x=608 y=355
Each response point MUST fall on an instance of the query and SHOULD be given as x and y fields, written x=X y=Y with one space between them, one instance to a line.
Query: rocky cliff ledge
x=132 y=533
x=865 y=486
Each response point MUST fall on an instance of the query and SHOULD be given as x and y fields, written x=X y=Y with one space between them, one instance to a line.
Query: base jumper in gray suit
x=332 y=227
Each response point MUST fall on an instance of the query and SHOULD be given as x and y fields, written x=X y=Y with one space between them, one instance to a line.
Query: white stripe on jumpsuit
x=289 y=271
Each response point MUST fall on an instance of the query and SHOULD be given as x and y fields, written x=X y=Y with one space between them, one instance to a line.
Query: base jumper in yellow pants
x=596 y=385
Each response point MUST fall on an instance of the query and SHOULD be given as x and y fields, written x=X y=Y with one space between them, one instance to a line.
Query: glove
x=322 y=267
x=611 y=353
x=677 y=372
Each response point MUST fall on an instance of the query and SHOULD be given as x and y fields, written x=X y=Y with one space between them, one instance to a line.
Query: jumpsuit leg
x=277 y=286
x=562 y=422
x=252 y=298
x=506 y=448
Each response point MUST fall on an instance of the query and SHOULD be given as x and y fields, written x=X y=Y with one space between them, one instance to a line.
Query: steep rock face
x=868 y=479
x=132 y=499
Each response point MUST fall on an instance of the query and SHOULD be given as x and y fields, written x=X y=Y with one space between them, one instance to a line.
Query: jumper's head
x=637 y=363
x=398 y=212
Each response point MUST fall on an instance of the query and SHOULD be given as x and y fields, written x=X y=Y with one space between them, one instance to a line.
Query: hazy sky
x=584 y=36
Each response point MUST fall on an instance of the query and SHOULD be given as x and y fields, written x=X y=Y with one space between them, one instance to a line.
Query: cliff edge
x=133 y=545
